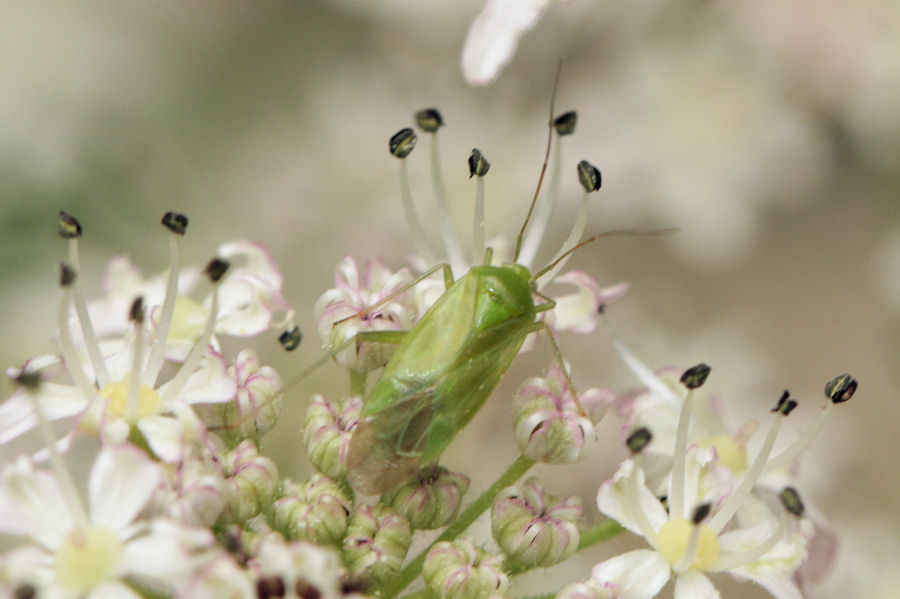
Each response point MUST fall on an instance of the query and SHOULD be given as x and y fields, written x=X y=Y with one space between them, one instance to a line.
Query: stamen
x=451 y=242
x=693 y=544
x=590 y=178
x=61 y=472
x=290 y=339
x=70 y=355
x=679 y=457
x=733 y=502
x=177 y=224
x=401 y=145
x=478 y=165
x=564 y=125
x=634 y=501
x=70 y=228
x=838 y=390
x=133 y=401
x=215 y=270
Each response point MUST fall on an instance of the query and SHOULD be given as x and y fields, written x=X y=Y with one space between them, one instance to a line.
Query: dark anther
x=68 y=226
x=695 y=376
x=216 y=269
x=589 y=176
x=478 y=164
x=175 y=222
x=785 y=405
x=701 y=513
x=565 y=123
x=638 y=440
x=25 y=591
x=66 y=275
x=402 y=142
x=28 y=379
x=841 y=388
x=290 y=339
x=268 y=587
x=136 y=312
x=306 y=590
x=791 y=501
x=429 y=120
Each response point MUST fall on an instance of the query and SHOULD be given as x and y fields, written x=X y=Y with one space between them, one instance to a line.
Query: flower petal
x=694 y=585
x=615 y=501
x=634 y=575
x=121 y=483
x=32 y=504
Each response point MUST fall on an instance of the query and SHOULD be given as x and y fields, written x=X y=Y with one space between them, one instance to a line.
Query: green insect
x=441 y=373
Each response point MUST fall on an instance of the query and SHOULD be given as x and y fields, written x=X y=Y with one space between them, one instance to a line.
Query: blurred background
x=768 y=133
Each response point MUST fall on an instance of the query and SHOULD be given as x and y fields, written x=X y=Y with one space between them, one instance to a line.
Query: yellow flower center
x=674 y=537
x=731 y=453
x=87 y=557
x=117 y=394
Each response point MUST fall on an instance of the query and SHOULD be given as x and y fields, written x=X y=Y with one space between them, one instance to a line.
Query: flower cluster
x=182 y=501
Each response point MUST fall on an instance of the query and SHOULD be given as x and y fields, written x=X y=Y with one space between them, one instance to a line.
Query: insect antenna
x=537 y=190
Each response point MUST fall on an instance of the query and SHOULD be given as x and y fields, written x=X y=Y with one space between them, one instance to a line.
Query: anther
x=841 y=388
x=478 y=164
x=564 y=124
x=638 y=440
x=28 y=379
x=402 y=142
x=791 y=501
x=216 y=269
x=290 y=339
x=175 y=222
x=270 y=587
x=66 y=275
x=306 y=590
x=136 y=312
x=429 y=120
x=701 y=513
x=589 y=176
x=695 y=376
x=785 y=404
x=68 y=226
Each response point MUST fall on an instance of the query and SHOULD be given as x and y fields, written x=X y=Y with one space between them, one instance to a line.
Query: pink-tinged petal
x=32 y=504
x=634 y=575
x=57 y=401
x=121 y=483
x=579 y=311
x=210 y=383
x=615 y=501
x=694 y=585
x=248 y=257
x=493 y=37
x=112 y=589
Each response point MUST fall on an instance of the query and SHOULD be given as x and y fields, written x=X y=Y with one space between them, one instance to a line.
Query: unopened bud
x=460 y=570
x=695 y=376
x=376 y=543
x=402 y=142
x=68 y=226
x=478 y=164
x=841 y=388
x=315 y=511
x=565 y=123
x=589 y=176
x=326 y=433
x=533 y=528
x=175 y=222
x=251 y=482
x=588 y=589
x=429 y=120
x=431 y=499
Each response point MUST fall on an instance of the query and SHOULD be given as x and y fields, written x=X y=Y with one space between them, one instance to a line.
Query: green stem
x=600 y=532
x=465 y=519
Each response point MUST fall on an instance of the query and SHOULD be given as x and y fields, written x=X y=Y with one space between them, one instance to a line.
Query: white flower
x=493 y=37
x=75 y=552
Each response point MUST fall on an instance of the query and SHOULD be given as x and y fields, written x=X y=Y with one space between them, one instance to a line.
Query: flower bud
x=376 y=543
x=533 y=528
x=314 y=511
x=548 y=427
x=327 y=431
x=583 y=590
x=431 y=499
x=251 y=483
x=459 y=570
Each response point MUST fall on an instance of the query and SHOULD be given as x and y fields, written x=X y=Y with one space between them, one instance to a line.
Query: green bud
x=565 y=123
x=251 y=481
x=326 y=433
x=314 y=511
x=376 y=543
x=460 y=570
x=533 y=528
x=402 y=142
x=478 y=164
x=429 y=120
x=589 y=176
x=431 y=499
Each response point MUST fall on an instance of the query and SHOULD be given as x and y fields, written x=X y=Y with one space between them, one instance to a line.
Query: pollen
x=731 y=452
x=87 y=557
x=675 y=536
x=117 y=394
